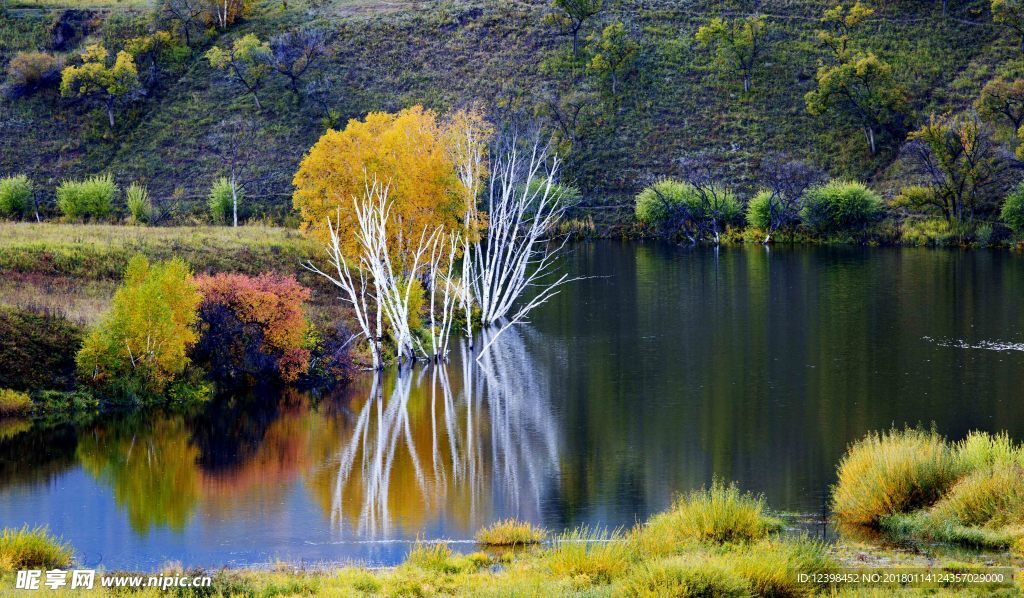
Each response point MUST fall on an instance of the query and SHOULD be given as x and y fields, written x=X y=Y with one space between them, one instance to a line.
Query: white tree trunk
x=519 y=251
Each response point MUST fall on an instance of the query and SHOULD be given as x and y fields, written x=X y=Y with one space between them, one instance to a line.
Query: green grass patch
x=717 y=515
x=103 y=251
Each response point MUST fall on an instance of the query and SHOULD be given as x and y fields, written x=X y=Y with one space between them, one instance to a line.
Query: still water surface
x=665 y=367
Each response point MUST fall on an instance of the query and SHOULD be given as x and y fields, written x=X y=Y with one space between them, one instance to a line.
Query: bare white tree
x=520 y=249
x=355 y=289
x=394 y=285
x=446 y=293
x=468 y=152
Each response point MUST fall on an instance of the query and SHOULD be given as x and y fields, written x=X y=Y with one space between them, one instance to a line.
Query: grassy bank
x=103 y=251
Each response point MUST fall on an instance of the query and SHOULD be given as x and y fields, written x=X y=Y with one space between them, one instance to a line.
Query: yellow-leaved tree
x=405 y=151
x=143 y=342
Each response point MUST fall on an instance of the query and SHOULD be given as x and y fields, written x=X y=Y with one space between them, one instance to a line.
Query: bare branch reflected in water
x=487 y=448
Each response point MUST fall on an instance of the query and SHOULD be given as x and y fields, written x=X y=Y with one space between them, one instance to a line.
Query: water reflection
x=459 y=443
x=661 y=368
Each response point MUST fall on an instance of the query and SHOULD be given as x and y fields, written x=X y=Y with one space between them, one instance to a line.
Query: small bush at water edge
x=717 y=515
x=14 y=403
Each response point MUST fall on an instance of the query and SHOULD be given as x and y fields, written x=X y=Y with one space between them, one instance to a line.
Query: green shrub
x=139 y=205
x=32 y=549
x=654 y=204
x=14 y=403
x=221 y=200
x=839 y=206
x=1013 y=209
x=981 y=450
x=91 y=198
x=510 y=533
x=759 y=210
x=716 y=515
x=894 y=472
x=15 y=196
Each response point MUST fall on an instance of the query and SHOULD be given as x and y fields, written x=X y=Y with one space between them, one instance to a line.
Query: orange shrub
x=253 y=326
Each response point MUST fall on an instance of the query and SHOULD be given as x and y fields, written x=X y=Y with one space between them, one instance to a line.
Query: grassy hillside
x=388 y=55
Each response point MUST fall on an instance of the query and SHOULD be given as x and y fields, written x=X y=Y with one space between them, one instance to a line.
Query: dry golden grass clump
x=510 y=532
x=914 y=485
x=889 y=473
x=27 y=548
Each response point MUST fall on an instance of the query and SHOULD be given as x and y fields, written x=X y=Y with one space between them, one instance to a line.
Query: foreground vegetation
x=714 y=542
x=914 y=485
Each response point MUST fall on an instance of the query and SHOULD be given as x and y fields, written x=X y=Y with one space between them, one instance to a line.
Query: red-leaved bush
x=252 y=326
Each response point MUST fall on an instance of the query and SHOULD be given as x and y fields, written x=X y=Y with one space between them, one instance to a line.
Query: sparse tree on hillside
x=838 y=24
x=187 y=16
x=96 y=79
x=863 y=89
x=572 y=15
x=613 y=54
x=247 y=62
x=962 y=165
x=1010 y=13
x=738 y=43
x=294 y=53
x=855 y=84
x=1003 y=98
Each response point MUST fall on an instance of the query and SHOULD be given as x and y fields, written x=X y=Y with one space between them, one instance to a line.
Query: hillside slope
x=388 y=55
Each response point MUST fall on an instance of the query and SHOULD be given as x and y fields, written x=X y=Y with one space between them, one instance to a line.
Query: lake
x=663 y=368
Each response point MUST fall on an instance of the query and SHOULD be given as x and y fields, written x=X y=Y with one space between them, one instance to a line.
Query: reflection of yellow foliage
x=11 y=427
x=153 y=471
x=422 y=480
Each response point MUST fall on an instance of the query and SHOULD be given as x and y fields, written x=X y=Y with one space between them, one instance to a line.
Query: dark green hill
x=388 y=55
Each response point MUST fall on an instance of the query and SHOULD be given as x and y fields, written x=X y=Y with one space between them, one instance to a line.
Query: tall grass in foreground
x=584 y=562
x=914 y=485
x=720 y=514
x=27 y=548
x=892 y=472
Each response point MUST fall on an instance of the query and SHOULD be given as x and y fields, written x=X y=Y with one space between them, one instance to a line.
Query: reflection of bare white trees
x=489 y=444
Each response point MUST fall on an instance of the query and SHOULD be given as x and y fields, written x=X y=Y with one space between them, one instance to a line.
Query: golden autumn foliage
x=410 y=151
